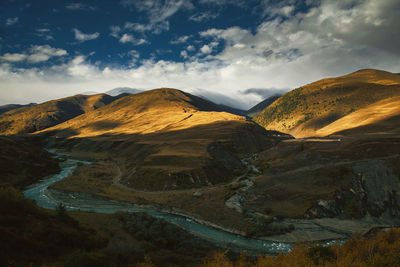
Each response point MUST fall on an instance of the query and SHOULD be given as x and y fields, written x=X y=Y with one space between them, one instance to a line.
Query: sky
x=232 y=52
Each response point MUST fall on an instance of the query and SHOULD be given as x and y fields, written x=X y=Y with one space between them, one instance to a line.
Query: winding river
x=50 y=199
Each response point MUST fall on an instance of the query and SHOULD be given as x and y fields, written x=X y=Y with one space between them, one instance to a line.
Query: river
x=48 y=198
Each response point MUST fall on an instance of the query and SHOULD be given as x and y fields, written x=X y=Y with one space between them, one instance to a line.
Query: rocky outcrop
x=374 y=191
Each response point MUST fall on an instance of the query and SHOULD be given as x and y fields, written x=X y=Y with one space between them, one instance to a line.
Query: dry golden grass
x=305 y=110
x=160 y=110
x=373 y=114
x=38 y=117
x=161 y=139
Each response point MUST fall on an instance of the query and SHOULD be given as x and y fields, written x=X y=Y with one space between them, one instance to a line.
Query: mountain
x=232 y=110
x=254 y=111
x=37 y=117
x=123 y=90
x=164 y=139
x=224 y=102
x=310 y=109
x=9 y=107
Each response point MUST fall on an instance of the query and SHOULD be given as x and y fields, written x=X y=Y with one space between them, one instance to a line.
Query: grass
x=165 y=139
x=38 y=117
x=306 y=110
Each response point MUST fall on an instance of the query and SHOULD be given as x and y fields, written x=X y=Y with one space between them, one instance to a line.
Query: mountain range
x=325 y=155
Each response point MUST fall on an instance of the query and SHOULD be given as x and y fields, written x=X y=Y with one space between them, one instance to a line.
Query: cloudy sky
x=244 y=49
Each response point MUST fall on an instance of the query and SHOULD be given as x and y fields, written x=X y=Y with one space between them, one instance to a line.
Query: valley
x=317 y=164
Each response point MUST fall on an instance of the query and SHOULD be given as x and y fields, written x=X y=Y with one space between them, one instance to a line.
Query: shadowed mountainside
x=37 y=117
x=254 y=111
x=309 y=110
x=165 y=139
x=6 y=108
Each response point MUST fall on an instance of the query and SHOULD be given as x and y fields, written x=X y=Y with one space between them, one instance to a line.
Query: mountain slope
x=165 y=139
x=34 y=118
x=305 y=110
x=9 y=107
x=148 y=112
x=379 y=118
x=254 y=111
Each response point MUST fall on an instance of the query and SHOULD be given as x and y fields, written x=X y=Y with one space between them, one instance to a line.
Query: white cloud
x=223 y=2
x=13 y=57
x=158 y=10
x=190 y=48
x=203 y=16
x=205 y=49
x=184 y=54
x=155 y=28
x=180 y=40
x=79 y=6
x=134 y=54
x=36 y=54
x=115 y=31
x=45 y=34
x=127 y=38
x=12 y=21
x=40 y=53
x=332 y=38
x=82 y=37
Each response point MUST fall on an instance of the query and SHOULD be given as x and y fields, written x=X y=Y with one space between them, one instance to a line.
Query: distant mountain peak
x=123 y=90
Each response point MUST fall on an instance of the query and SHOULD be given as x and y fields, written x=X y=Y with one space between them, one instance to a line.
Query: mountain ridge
x=303 y=111
x=34 y=118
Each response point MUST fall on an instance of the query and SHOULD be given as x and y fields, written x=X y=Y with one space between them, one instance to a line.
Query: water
x=50 y=199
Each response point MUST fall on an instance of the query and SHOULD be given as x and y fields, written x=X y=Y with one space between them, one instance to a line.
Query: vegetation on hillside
x=255 y=110
x=22 y=162
x=303 y=111
x=382 y=250
x=30 y=235
x=34 y=118
x=165 y=139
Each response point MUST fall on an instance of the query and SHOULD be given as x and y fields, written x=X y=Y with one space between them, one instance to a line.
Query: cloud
x=184 y=54
x=205 y=49
x=134 y=54
x=40 y=53
x=155 y=28
x=218 y=98
x=45 y=34
x=203 y=16
x=13 y=57
x=12 y=21
x=190 y=48
x=115 y=31
x=36 y=54
x=158 y=10
x=79 y=6
x=127 y=38
x=180 y=40
x=82 y=37
x=264 y=92
x=329 y=38
x=224 y=2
